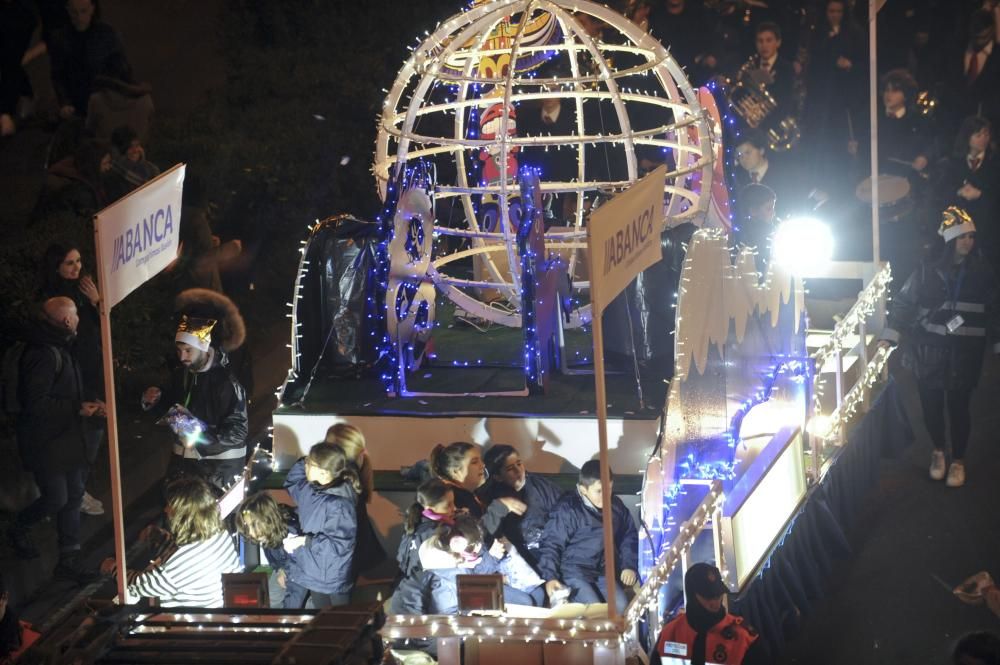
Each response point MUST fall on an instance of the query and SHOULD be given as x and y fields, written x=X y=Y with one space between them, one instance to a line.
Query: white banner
x=139 y=235
x=623 y=238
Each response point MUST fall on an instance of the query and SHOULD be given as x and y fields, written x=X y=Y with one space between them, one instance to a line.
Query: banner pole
x=602 y=435
x=112 y=420
x=873 y=95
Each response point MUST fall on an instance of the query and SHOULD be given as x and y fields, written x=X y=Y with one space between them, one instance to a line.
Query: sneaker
x=90 y=505
x=956 y=475
x=937 y=465
x=69 y=568
x=20 y=540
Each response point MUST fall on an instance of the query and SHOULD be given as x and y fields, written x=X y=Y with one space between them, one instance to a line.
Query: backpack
x=10 y=379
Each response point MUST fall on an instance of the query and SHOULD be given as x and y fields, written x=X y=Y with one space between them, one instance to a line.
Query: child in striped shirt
x=188 y=570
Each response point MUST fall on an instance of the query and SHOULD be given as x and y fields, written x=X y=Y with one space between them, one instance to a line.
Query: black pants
x=61 y=494
x=934 y=401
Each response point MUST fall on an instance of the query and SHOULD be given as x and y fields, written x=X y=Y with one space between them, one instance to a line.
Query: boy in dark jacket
x=572 y=546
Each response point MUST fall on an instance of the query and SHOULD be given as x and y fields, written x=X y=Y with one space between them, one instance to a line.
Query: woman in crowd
x=325 y=489
x=460 y=465
x=265 y=522
x=188 y=571
x=62 y=274
x=945 y=312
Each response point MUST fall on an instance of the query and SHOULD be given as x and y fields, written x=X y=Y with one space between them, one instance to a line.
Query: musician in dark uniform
x=757 y=165
x=904 y=151
x=904 y=137
x=779 y=71
x=970 y=178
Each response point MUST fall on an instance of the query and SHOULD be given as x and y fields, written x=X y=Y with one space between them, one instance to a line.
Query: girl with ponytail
x=435 y=505
x=460 y=465
x=325 y=489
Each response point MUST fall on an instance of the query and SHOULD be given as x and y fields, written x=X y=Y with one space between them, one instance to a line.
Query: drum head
x=891 y=190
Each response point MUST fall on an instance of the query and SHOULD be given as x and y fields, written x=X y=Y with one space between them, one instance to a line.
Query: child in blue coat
x=571 y=552
x=434 y=507
x=325 y=488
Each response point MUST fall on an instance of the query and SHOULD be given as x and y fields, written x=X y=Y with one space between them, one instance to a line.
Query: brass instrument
x=748 y=95
x=926 y=103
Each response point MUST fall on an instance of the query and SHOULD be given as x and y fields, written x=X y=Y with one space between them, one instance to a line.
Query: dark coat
x=329 y=519
x=920 y=312
x=50 y=430
x=78 y=58
x=409 y=545
x=87 y=345
x=954 y=173
x=525 y=531
x=490 y=515
x=217 y=399
x=68 y=196
x=572 y=544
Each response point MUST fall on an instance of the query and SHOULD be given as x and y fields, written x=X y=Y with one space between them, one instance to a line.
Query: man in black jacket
x=205 y=387
x=571 y=550
x=50 y=435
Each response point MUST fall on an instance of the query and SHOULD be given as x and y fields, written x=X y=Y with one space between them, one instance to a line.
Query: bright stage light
x=802 y=244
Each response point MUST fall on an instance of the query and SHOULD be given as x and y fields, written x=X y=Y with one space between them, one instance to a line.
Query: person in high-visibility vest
x=706 y=633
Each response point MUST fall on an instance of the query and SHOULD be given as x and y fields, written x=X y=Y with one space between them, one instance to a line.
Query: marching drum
x=894 y=199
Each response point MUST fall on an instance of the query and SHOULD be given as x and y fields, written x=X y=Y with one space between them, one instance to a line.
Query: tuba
x=748 y=95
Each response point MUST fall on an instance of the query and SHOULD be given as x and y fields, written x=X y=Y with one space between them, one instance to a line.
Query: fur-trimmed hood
x=230 y=332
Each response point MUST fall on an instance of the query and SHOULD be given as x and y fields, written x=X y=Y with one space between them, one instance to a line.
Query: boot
x=70 y=568
x=20 y=541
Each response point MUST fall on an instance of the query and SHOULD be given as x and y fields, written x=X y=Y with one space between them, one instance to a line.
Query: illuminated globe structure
x=573 y=89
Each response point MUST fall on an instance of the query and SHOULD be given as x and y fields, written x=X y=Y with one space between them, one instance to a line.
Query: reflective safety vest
x=726 y=643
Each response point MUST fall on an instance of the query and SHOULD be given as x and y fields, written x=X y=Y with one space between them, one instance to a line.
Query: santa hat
x=954 y=223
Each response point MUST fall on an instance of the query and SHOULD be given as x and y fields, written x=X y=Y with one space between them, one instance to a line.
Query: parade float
x=467 y=310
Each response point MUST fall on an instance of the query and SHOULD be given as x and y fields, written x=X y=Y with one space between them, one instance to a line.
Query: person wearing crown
x=202 y=389
x=947 y=310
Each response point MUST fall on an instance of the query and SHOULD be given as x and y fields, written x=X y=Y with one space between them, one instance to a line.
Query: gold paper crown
x=955 y=222
x=196 y=332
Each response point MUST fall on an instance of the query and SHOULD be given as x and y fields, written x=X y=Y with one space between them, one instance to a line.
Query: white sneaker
x=90 y=505
x=956 y=475
x=937 y=465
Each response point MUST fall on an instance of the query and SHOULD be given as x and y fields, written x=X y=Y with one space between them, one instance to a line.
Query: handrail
x=648 y=596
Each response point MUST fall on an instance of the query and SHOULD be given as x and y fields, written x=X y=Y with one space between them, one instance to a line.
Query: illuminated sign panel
x=759 y=506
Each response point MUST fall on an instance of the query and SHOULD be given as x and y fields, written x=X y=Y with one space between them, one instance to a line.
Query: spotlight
x=802 y=244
